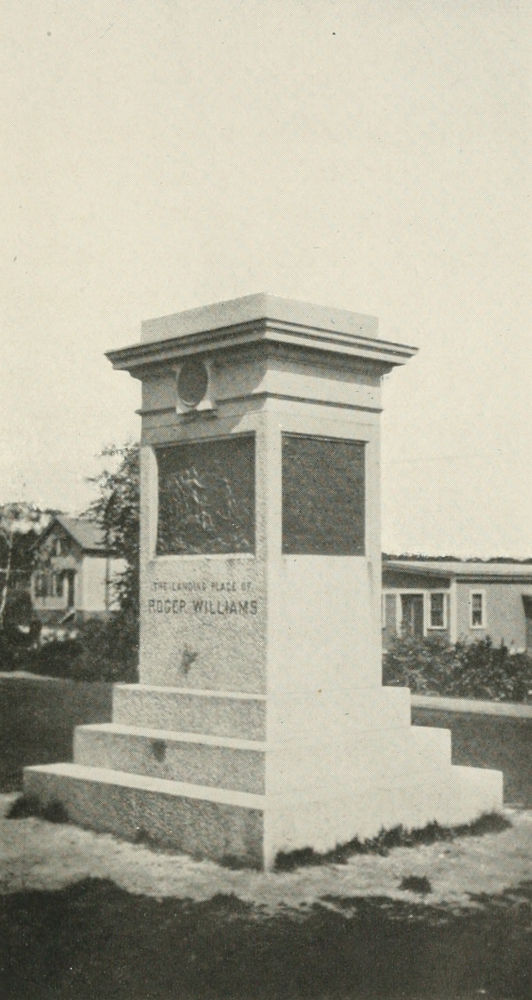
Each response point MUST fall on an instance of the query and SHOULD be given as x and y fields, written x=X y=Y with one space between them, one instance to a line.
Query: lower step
x=474 y=791
x=206 y=822
x=251 y=829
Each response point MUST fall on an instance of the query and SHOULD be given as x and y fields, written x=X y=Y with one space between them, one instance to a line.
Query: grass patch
x=491 y=741
x=397 y=836
x=37 y=720
x=236 y=863
x=93 y=939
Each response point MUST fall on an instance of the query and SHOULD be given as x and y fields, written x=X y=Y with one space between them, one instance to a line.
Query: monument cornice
x=138 y=358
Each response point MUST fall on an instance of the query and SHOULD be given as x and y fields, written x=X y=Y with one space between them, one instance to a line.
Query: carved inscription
x=202 y=598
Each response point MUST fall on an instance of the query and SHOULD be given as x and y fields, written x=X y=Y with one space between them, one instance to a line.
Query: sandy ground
x=35 y=854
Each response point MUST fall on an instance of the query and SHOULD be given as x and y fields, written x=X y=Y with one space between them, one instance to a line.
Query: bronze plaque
x=207 y=497
x=323 y=496
x=192 y=382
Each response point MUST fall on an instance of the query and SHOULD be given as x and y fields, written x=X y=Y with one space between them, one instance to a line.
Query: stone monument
x=260 y=724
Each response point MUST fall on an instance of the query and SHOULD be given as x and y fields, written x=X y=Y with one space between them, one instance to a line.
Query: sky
x=165 y=154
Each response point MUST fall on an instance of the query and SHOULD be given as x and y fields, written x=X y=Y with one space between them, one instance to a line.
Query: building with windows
x=74 y=573
x=458 y=601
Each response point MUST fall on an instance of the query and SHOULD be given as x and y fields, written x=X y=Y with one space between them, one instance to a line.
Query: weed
x=416 y=883
x=30 y=805
x=397 y=836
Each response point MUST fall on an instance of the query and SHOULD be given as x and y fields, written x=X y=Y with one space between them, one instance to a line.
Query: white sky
x=163 y=154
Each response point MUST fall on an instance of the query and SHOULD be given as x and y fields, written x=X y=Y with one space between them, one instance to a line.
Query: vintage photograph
x=265 y=500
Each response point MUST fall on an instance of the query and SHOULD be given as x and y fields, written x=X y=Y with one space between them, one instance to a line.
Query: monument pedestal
x=227 y=793
x=260 y=724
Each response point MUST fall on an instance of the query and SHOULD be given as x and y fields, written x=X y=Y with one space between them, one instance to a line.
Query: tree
x=110 y=649
x=20 y=525
x=116 y=509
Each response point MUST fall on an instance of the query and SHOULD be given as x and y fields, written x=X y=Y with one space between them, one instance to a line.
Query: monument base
x=214 y=774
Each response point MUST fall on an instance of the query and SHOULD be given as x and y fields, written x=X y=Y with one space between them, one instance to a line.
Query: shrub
x=57 y=659
x=420 y=664
x=102 y=651
x=110 y=649
x=19 y=632
x=467 y=670
x=482 y=670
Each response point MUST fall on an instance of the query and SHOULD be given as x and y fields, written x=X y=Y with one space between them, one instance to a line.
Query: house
x=458 y=601
x=74 y=572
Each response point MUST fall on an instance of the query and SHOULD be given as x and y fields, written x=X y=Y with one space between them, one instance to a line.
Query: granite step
x=257 y=766
x=219 y=761
x=216 y=713
x=243 y=715
x=474 y=791
x=431 y=749
x=197 y=820
x=250 y=829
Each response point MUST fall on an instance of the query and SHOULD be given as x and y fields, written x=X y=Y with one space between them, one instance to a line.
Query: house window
x=477 y=607
x=437 y=610
x=388 y=610
x=57 y=585
x=41 y=585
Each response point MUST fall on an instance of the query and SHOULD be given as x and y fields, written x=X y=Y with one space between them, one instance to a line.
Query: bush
x=102 y=651
x=483 y=670
x=420 y=664
x=56 y=658
x=110 y=649
x=466 y=670
x=19 y=632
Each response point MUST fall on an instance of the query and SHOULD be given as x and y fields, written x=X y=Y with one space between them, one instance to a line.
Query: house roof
x=461 y=569
x=88 y=534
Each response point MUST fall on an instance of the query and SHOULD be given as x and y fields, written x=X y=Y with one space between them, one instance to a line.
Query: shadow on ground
x=93 y=939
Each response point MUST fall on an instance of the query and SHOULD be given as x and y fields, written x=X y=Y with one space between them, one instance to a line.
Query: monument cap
x=259 y=318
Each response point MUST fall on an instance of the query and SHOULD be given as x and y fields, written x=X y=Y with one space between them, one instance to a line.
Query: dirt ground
x=86 y=915
x=35 y=854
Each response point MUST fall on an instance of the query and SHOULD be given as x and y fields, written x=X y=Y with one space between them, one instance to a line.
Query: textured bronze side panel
x=323 y=496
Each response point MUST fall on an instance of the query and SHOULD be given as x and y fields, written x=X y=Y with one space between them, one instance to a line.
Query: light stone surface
x=272 y=768
x=216 y=713
x=474 y=791
x=260 y=724
x=208 y=644
x=253 y=829
x=336 y=713
x=193 y=758
x=248 y=308
x=190 y=818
